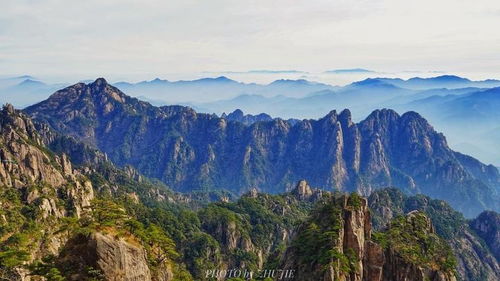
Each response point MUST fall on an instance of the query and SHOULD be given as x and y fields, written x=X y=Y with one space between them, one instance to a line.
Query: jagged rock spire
x=302 y=190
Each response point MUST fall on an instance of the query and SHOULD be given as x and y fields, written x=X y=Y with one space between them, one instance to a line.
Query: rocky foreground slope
x=47 y=205
x=38 y=189
x=190 y=151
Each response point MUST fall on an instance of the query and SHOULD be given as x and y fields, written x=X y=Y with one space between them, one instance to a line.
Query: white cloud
x=130 y=37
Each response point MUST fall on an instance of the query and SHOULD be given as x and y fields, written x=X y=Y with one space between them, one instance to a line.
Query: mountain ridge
x=204 y=151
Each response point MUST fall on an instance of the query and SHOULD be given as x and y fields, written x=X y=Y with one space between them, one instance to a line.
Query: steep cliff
x=38 y=189
x=190 y=151
x=336 y=243
x=52 y=221
x=111 y=258
x=250 y=233
x=475 y=259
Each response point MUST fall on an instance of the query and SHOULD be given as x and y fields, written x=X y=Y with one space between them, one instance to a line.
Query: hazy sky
x=145 y=39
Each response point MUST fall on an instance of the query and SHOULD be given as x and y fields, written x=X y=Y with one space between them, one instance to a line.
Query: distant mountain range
x=361 y=97
x=189 y=151
x=469 y=119
x=83 y=194
x=444 y=81
x=210 y=89
x=452 y=104
x=25 y=90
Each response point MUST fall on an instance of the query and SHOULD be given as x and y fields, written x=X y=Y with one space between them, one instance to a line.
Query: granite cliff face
x=115 y=259
x=37 y=173
x=38 y=189
x=475 y=259
x=336 y=243
x=191 y=151
x=45 y=199
x=400 y=265
x=146 y=232
x=334 y=240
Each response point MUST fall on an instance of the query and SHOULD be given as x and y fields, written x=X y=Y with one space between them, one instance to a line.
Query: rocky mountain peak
x=14 y=122
x=420 y=221
x=100 y=82
x=332 y=115
x=238 y=113
x=253 y=193
x=101 y=87
x=336 y=243
x=239 y=116
x=345 y=117
x=28 y=166
x=302 y=190
x=8 y=108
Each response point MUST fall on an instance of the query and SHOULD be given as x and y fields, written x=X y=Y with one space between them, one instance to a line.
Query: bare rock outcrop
x=118 y=259
x=27 y=165
x=115 y=258
x=303 y=190
x=40 y=179
x=336 y=244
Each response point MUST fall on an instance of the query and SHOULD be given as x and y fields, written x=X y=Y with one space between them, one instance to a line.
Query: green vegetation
x=107 y=216
x=47 y=268
x=448 y=222
x=202 y=235
x=354 y=201
x=194 y=238
x=317 y=242
x=19 y=231
x=411 y=237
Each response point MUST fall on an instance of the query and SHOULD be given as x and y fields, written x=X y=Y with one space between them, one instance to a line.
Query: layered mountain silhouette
x=192 y=151
x=451 y=103
x=474 y=112
x=443 y=81
x=210 y=89
x=25 y=90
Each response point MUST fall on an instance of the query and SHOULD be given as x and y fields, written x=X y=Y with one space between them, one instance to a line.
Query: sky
x=135 y=40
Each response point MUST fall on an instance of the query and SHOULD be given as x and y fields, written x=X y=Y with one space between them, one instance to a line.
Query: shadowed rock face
x=190 y=151
x=66 y=190
x=487 y=225
x=41 y=196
